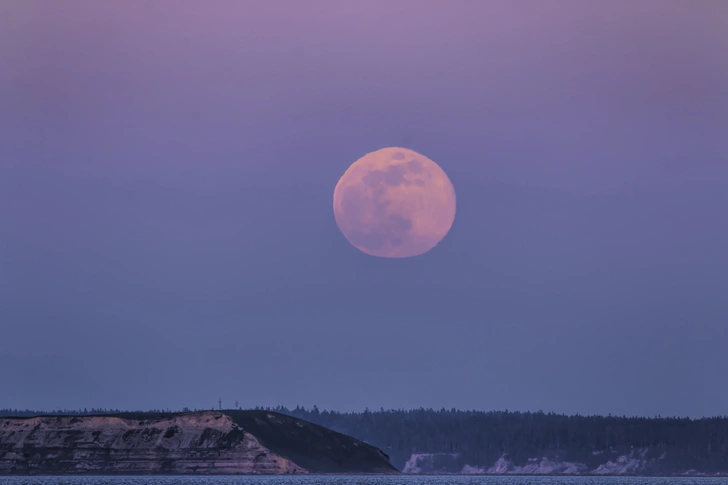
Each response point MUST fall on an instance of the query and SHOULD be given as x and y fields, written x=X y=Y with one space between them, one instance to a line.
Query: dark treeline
x=24 y=413
x=480 y=438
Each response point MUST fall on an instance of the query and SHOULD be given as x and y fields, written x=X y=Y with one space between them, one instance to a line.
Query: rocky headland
x=208 y=442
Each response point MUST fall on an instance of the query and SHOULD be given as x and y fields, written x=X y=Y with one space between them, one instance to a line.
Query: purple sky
x=168 y=238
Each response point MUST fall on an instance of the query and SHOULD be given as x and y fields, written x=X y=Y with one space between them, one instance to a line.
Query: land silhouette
x=499 y=442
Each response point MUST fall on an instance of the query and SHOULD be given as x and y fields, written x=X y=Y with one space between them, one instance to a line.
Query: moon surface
x=394 y=203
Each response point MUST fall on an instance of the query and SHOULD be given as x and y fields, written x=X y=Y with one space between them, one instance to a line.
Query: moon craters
x=394 y=203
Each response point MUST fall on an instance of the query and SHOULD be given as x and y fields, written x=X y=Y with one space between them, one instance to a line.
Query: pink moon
x=394 y=203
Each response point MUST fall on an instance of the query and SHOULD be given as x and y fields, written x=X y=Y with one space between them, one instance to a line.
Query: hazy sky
x=166 y=226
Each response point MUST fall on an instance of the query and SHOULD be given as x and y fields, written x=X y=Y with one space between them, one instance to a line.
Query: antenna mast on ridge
x=219 y=404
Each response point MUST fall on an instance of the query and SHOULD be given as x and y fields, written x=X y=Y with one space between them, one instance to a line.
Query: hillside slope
x=312 y=446
x=208 y=442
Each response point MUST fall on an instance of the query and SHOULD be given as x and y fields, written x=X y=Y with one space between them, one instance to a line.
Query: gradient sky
x=168 y=238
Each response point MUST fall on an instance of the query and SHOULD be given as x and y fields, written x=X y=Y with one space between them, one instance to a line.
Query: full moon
x=394 y=203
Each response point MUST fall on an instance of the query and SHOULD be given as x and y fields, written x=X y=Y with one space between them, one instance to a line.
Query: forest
x=480 y=438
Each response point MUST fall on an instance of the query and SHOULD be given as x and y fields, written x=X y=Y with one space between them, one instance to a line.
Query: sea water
x=358 y=480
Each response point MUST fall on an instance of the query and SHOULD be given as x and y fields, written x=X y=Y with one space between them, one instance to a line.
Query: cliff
x=639 y=462
x=234 y=442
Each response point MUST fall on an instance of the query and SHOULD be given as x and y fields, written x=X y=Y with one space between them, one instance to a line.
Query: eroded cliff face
x=204 y=442
x=626 y=462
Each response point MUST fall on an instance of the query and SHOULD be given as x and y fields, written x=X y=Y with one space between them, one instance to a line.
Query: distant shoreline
x=475 y=443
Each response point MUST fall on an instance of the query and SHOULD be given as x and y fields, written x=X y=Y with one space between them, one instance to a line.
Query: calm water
x=362 y=480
